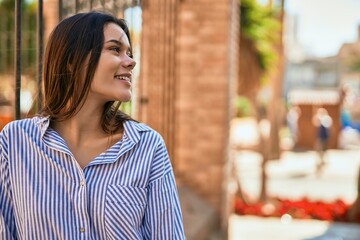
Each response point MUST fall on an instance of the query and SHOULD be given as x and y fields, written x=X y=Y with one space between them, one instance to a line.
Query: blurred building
x=320 y=73
x=308 y=102
x=349 y=69
x=348 y=56
x=311 y=83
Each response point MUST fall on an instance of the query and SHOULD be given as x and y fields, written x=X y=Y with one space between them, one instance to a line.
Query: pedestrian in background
x=323 y=122
x=82 y=169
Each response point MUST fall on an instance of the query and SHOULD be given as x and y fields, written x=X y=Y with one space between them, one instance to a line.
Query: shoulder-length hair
x=70 y=59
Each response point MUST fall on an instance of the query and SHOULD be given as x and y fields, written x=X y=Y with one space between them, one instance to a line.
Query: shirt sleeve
x=7 y=223
x=163 y=218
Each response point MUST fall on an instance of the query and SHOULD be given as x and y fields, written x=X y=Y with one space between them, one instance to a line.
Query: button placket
x=80 y=204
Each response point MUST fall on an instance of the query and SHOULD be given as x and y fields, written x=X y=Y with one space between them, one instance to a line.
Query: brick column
x=157 y=85
x=207 y=50
x=188 y=76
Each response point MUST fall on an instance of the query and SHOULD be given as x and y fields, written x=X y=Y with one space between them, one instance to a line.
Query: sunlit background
x=239 y=110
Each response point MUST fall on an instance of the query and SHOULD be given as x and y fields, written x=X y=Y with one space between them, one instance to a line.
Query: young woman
x=82 y=169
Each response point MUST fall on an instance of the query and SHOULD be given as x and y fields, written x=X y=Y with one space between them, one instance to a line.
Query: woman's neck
x=85 y=125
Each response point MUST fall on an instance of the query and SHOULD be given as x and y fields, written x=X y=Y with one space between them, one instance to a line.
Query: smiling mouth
x=124 y=78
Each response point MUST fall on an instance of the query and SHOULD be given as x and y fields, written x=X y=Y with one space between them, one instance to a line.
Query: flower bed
x=301 y=209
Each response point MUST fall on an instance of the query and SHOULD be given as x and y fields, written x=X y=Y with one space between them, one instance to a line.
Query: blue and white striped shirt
x=127 y=192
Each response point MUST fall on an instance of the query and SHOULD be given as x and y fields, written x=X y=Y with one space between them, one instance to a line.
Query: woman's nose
x=129 y=62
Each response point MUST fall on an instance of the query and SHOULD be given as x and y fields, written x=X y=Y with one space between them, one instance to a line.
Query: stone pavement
x=294 y=176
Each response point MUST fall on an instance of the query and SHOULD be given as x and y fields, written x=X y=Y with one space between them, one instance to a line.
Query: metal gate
x=21 y=55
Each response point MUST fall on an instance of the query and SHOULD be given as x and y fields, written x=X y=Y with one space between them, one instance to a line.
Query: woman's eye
x=116 y=49
x=129 y=53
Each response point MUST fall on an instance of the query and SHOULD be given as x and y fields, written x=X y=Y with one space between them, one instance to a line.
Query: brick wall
x=157 y=87
x=202 y=122
x=189 y=104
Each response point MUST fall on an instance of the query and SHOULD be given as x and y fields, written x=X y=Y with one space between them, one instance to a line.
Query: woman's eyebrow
x=118 y=43
x=114 y=41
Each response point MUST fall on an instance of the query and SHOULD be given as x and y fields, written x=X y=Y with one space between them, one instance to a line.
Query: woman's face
x=112 y=78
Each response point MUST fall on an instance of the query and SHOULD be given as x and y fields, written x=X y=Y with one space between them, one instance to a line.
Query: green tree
x=259 y=23
x=261 y=36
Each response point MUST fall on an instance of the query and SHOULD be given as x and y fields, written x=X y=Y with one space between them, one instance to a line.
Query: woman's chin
x=124 y=98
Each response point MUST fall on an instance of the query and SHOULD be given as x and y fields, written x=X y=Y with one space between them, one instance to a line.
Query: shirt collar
x=43 y=123
x=132 y=128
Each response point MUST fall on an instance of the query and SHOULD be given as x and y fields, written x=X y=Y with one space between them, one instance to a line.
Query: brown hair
x=74 y=46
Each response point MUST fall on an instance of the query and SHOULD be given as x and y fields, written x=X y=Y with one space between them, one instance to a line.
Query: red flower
x=302 y=209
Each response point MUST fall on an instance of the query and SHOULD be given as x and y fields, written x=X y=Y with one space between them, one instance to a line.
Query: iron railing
x=65 y=8
x=17 y=57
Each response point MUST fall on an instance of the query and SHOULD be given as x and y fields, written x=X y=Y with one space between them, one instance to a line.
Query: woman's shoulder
x=139 y=129
x=138 y=126
x=25 y=123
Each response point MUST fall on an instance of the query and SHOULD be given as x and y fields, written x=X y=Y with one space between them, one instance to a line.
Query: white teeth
x=123 y=78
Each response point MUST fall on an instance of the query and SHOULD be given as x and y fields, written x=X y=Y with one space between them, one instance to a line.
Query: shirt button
x=82 y=183
x=82 y=230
